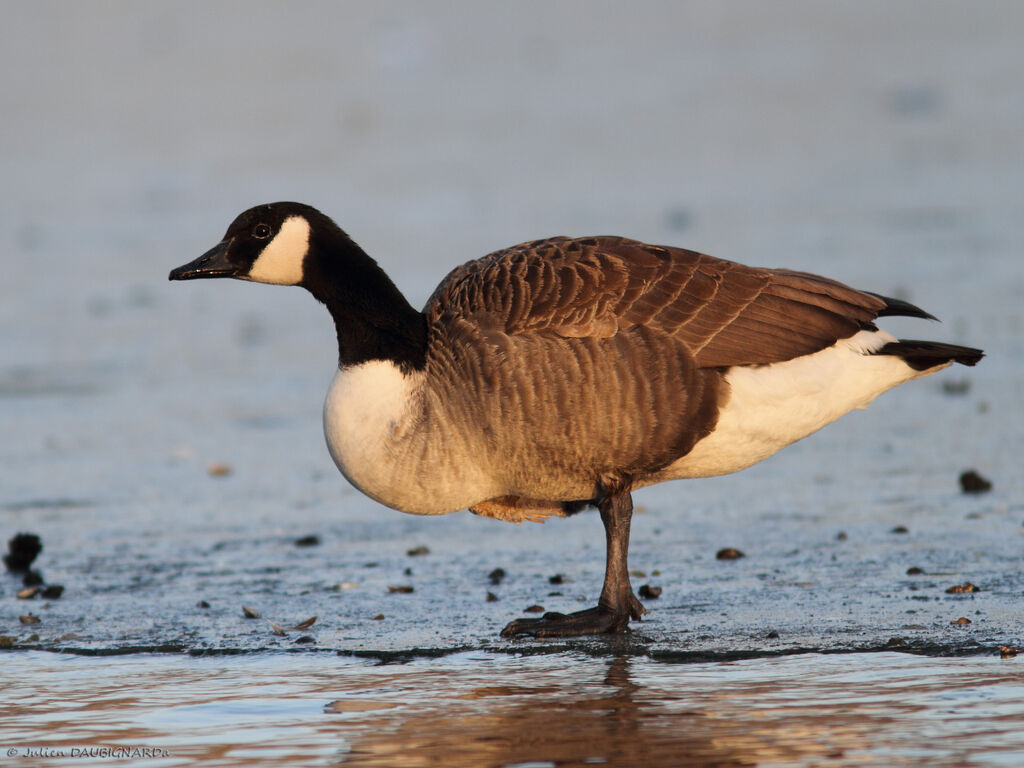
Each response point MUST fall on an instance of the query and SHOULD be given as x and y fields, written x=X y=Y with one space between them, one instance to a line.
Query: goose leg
x=617 y=604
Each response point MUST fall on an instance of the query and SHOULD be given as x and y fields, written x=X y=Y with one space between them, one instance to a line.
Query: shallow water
x=480 y=709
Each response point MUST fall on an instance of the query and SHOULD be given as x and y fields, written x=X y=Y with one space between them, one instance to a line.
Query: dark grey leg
x=617 y=604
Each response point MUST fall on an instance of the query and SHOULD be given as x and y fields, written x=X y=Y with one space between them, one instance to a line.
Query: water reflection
x=501 y=725
x=834 y=712
x=481 y=709
x=619 y=722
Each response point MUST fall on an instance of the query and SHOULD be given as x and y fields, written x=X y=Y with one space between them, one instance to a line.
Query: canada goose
x=562 y=373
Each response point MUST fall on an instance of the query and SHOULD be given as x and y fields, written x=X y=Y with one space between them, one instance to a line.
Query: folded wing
x=725 y=313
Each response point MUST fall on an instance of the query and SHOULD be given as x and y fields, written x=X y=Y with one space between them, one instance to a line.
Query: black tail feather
x=901 y=308
x=922 y=355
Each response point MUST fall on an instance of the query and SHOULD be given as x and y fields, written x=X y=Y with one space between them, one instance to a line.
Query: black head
x=294 y=244
x=265 y=244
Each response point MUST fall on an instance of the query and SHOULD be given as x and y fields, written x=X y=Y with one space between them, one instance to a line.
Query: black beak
x=213 y=263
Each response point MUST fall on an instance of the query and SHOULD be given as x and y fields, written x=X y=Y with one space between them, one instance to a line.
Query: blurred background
x=880 y=143
x=837 y=137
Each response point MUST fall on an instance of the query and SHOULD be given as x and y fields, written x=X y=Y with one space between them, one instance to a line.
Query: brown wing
x=724 y=313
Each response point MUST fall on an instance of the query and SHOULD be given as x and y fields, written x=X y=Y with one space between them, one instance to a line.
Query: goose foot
x=593 y=621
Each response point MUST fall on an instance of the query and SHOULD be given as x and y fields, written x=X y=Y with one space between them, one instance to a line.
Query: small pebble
x=956 y=386
x=637 y=574
x=491 y=597
x=202 y=604
x=52 y=592
x=418 y=551
x=23 y=548
x=729 y=553
x=1008 y=652
x=773 y=635
x=647 y=592
x=959 y=589
x=914 y=571
x=556 y=579
x=308 y=541
x=249 y=613
x=841 y=536
x=894 y=642
x=402 y=589
x=961 y=620
x=342 y=586
x=534 y=609
x=28 y=619
x=379 y=617
x=219 y=470
x=972 y=482
x=496 y=576
x=899 y=529
x=678 y=219
x=28 y=593
x=305 y=639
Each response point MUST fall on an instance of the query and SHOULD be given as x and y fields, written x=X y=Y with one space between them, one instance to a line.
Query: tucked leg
x=617 y=604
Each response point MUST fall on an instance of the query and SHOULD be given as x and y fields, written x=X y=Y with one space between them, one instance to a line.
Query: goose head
x=294 y=244
x=265 y=244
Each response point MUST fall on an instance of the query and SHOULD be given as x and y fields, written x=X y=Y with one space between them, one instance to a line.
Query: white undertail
x=771 y=406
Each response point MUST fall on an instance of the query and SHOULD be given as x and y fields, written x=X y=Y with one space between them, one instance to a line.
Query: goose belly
x=385 y=444
x=771 y=406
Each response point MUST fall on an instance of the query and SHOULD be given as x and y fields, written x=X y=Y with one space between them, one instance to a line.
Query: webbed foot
x=592 y=621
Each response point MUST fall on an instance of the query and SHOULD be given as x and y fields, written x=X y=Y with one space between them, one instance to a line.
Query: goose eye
x=261 y=231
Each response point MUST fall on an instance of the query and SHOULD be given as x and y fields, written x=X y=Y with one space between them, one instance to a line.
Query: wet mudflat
x=803 y=583
x=164 y=441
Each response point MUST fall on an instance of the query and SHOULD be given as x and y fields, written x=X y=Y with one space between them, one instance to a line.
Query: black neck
x=372 y=318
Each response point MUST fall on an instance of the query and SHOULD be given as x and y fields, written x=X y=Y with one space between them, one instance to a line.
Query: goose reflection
x=611 y=724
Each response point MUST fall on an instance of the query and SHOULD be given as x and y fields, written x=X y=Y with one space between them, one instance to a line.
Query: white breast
x=771 y=406
x=388 y=444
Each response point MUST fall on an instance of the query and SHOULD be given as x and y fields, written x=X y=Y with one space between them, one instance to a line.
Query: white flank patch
x=280 y=263
x=771 y=406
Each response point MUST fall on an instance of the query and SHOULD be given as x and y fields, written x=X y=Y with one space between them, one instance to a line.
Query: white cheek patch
x=280 y=263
